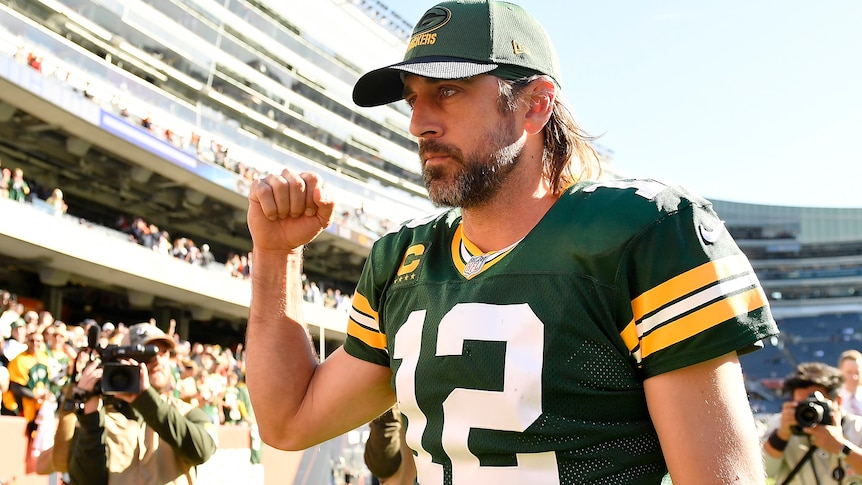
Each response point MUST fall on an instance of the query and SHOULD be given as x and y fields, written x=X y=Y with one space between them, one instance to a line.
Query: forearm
x=704 y=423
x=88 y=463
x=280 y=360
x=63 y=440
x=185 y=433
x=21 y=390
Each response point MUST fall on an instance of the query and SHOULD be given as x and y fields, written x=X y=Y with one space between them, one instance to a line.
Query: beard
x=471 y=180
x=160 y=380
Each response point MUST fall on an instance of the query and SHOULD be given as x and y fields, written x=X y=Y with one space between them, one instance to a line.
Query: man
x=548 y=329
x=17 y=341
x=146 y=437
x=849 y=363
x=28 y=380
x=825 y=446
x=19 y=189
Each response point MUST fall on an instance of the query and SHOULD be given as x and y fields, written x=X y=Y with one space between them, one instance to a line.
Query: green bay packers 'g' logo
x=432 y=20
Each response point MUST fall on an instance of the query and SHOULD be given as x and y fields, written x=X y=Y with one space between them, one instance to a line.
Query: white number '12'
x=514 y=408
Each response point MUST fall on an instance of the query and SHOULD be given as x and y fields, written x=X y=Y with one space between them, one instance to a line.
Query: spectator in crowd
x=187 y=388
x=60 y=354
x=181 y=248
x=233 y=408
x=207 y=257
x=5 y=182
x=151 y=237
x=243 y=271
x=56 y=201
x=210 y=402
x=193 y=256
x=17 y=341
x=850 y=365
x=538 y=291
x=197 y=349
x=329 y=300
x=10 y=311
x=812 y=419
x=31 y=321
x=107 y=334
x=172 y=436
x=19 y=189
x=164 y=245
x=28 y=380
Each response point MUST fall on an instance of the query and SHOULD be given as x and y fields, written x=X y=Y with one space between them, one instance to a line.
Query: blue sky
x=754 y=101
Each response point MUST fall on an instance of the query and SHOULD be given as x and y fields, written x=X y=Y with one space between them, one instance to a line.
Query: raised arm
x=705 y=425
x=298 y=402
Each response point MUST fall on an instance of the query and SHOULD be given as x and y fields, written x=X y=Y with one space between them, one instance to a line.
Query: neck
x=514 y=211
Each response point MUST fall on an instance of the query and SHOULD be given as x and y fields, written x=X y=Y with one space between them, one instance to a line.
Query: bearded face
x=469 y=180
x=159 y=371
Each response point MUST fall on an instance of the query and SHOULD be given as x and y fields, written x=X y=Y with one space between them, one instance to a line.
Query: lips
x=434 y=158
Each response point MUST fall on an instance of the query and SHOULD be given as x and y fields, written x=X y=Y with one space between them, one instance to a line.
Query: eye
x=446 y=92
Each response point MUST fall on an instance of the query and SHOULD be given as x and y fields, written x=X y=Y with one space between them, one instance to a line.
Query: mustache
x=428 y=148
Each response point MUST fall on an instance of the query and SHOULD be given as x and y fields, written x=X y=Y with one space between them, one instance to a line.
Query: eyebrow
x=434 y=81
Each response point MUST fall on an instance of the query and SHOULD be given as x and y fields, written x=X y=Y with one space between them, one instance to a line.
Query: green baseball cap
x=463 y=38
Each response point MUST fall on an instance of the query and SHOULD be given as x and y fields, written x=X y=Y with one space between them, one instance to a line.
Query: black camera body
x=813 y=411
x=123 y=378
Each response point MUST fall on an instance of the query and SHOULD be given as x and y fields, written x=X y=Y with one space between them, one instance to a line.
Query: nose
x=425 y=120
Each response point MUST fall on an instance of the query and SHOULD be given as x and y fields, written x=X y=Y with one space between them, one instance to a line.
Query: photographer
x=143 y=436
x=812 y=441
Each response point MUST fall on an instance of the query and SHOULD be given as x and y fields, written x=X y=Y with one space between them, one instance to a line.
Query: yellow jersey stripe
x=687 y=282
x=371 y=338
x=363 y=313
x=456 y=251
x=703 y=319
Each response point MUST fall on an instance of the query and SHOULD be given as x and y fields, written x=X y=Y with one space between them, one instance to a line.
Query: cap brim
x=166 y=340
x=385 y=85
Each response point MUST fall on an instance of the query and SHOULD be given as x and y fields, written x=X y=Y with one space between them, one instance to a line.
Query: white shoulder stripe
x=744 y=281
x=364 y=320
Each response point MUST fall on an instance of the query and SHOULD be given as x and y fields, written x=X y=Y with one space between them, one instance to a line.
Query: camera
x=118 y=377
x=813 y=411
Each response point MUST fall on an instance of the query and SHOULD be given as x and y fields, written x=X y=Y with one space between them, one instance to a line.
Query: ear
x=540 y=96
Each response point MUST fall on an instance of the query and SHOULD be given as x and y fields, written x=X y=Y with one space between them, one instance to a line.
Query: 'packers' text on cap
x=463 y=38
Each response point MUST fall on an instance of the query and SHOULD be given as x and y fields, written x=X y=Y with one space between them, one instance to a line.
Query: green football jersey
x=526 y=365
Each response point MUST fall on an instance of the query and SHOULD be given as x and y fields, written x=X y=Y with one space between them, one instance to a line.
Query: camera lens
x=120 y=378
x=809 y=415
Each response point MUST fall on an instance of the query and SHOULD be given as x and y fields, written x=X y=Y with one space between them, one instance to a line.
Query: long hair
x=568 y=155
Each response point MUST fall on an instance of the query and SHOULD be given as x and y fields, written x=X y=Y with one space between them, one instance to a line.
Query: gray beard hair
x=474 y=182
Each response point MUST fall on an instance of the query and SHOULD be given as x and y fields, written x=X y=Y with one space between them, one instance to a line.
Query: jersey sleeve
x=693 y=294
x=365 y=339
